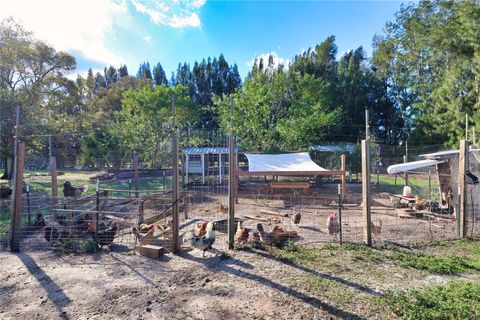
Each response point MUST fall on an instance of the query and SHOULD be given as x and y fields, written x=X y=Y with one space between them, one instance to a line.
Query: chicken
x=266 y=238
x=241 y=236
x=376 y=229
x=200 y=229
x=204 y=243
x=71 y=191
x=39 y=221
x=333 y=225
x=52 y=234
x=145 y=228
x=297 y=216
x=5 y=192
x=223 y=209
x=105 y=237
x=142 y=238
x=420 y=204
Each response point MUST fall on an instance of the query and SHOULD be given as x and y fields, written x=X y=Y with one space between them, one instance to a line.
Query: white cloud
x=175 y=14
x=80 y=26
x=147 y=39
x=277 y=60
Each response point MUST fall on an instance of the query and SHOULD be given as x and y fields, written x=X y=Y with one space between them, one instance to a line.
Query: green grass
x=455 y=300
x=4 y=224
x=417 y=182
x=406 y=269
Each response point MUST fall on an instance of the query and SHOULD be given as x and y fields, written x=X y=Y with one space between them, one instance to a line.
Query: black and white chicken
x=205 y=242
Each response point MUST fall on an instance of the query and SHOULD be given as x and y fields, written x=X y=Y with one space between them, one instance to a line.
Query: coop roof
x=206 y=150
x=333 y=148
x=439 y=154
x=294 y=164
x=409 y=166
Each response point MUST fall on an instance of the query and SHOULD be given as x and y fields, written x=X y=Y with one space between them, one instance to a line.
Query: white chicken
x=333 y=225
x=205 y=242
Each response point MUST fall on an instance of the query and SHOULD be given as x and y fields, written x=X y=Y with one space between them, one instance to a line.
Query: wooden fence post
x=231 y=182
x=367 y=215
x=175 y=193
x=53 y=176
x=462 y=186
x=135 y=174
x=344 y=176
x=16 y=210
x=140 y=212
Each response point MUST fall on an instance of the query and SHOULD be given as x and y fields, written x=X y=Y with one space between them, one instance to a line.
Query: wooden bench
x=289 y=185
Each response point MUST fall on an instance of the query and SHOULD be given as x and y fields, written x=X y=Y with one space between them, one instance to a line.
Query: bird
x=223 y=209
x=333 y=225
x=200 y=229
x=297 y=216
x=145 y=228
x=71 y=191
x=5 y=192
x=39 y=221
x=205 y=242
x=376 y=229
x=51 y=233
x=268 y=238
x=241 y=236
x=104 y=237
x=144 y=238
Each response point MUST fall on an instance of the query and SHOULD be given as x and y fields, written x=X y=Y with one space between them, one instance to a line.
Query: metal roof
x=409 y=166
x=332 y=148
x=439 y=154
x=206 y=150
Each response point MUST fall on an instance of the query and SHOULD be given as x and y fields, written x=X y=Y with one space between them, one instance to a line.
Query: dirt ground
x=119 y=286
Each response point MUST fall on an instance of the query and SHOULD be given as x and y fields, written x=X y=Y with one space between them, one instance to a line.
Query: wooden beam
x=462 y=187
x=344 y=176
x=53 y=175
x=367 y=214
x=135 y=174
x=231 y=181
x=16 y=210
x=175 y=194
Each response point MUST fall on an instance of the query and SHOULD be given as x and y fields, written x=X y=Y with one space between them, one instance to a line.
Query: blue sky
x=100 y=32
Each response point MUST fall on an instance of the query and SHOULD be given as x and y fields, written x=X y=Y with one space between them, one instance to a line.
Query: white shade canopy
x=409 y=166
x=285 y=162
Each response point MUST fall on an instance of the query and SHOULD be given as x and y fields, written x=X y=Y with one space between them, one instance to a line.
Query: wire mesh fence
x=131 y=192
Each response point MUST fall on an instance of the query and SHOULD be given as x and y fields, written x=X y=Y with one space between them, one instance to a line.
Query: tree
x=159 y=75
x=123 y=71
x=144 y=71
x=31 y=72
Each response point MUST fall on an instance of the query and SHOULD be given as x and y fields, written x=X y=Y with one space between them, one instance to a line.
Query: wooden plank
x=151 y=251
x=462 y=187
x=15 y=221
x=135 y=174
x=53 y=175
x=175 y=187
x=273 y=213
x=256 y=218
x=367 y=214
x=343 y=162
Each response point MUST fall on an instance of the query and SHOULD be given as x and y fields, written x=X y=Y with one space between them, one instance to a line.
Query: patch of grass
x=4 y=224
x=88 y=246
x=455 y=300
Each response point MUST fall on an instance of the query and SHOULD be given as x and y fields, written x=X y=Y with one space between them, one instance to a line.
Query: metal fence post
x=462 y=187
x=176 y=240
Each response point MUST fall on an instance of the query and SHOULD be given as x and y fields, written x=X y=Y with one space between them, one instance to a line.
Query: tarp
x=409 y=166
x=285 y=162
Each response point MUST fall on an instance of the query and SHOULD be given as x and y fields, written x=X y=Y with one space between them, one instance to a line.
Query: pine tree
x=159 y=75
x=90 y=83
x=122 y=71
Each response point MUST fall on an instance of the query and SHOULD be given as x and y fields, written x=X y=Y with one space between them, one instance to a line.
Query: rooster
x=241 y=236
x=145 y=228
x=143 y=238
x=333 y=225
x=104 y=237
x=71 y=191
x=204 y=243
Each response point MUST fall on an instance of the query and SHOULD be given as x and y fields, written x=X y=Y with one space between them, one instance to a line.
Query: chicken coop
x=205 y=164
